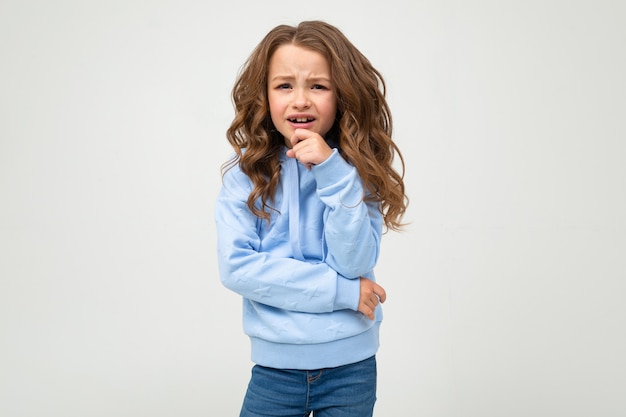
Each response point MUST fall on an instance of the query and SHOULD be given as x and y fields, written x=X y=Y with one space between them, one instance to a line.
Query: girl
x=303 y=205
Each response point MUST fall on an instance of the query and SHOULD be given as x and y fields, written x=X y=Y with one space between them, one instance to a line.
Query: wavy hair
x=363 y=124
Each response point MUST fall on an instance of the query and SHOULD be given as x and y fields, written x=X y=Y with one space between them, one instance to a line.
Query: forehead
x=291 y=58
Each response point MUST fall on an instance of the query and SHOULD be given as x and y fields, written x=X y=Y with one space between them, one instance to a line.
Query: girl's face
x=300 y=91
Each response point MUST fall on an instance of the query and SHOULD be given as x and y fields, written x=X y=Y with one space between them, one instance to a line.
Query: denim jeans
x=345 y=391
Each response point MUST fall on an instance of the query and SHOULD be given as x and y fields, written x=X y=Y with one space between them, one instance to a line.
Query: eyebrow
x=291 y=77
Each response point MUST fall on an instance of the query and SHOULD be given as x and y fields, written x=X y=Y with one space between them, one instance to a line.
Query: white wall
x=505 y=293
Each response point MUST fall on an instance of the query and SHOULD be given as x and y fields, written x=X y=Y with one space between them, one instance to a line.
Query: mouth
x=301 y=120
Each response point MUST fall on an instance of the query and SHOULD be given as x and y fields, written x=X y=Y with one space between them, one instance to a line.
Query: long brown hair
x=363 y=120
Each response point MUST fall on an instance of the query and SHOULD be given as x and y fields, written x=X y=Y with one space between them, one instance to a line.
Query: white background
x=506 y=292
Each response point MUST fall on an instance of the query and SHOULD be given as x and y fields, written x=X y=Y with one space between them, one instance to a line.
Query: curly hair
x=363 y=122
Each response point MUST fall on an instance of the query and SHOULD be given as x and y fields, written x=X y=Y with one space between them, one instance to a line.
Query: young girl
x=304 y=202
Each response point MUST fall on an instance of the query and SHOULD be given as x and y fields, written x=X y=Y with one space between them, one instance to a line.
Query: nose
x=301 y=98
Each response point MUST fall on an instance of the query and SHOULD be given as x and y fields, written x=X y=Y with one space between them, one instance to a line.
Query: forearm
x=285 y=283
x=352 y=227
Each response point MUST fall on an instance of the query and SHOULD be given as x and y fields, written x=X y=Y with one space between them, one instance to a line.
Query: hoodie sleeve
x=265 y=277
x=352 y=227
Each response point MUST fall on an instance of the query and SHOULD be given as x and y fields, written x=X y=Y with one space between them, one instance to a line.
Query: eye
x=319 y=87
x=284 y=86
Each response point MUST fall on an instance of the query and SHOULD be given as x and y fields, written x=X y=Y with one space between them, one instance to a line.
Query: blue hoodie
x=299 y=273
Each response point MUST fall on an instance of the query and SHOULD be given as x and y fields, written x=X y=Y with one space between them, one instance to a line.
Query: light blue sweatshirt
x=299 y=274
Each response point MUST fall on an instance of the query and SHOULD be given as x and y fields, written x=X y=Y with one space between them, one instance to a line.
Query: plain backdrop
x=505 y=293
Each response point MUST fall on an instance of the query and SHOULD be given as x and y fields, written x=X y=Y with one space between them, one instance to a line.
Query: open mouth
x=301 y=120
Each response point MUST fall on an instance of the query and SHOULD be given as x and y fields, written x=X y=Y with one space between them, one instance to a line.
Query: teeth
x=302 y=119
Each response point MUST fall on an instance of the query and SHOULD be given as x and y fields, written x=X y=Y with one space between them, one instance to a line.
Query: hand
x=309 y=148
x=371 y=295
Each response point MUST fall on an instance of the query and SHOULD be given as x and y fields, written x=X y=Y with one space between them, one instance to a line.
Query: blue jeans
x=345 y=391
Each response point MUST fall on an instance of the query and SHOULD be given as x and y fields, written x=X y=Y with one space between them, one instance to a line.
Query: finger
x=375 y=300
x=299 y=135
x=381 y=294
x=369 y=313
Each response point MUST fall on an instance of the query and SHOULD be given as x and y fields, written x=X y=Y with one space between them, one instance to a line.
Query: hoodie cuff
x=348 y=293
x=333 y=168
